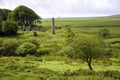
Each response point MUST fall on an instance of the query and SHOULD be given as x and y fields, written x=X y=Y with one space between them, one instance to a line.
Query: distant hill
x=106 y=21
x=112 y=17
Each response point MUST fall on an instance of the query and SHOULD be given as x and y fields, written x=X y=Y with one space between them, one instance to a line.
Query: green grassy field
x=74 y=22
x=55 y=66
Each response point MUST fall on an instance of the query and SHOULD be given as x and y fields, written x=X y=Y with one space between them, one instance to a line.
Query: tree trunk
x=89 y=64
x=30 y=24
x=24 y=27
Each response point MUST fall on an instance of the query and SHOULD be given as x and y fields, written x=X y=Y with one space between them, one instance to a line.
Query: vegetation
x=25 y=16
x=4 y=13
x=86 y=48
x=26 y=48
x=9 y=27
x=35 y=55
x=103 y=33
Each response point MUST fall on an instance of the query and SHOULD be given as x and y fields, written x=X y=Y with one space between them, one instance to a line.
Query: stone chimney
x=53 y=26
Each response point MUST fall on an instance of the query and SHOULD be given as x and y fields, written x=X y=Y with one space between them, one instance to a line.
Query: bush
x=9 y=27
x=112 y=74
x=9 y=46
x=103 y=33
x=35 y=34
x=42 y=51
x=81 y=72
x=33 y=41
x=26 y=48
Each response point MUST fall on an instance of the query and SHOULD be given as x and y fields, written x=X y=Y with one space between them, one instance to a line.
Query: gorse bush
x=33 y=40
x=26 y=48
x=103 y=33
x=35 y=34
x=9 y=27
x=8 y=47
x=41 y=51
x=112 y=74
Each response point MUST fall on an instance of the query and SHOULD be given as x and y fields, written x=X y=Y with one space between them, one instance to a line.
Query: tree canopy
x=9 y=27
x=86 y=48
x=4 y=13
x=24 y=15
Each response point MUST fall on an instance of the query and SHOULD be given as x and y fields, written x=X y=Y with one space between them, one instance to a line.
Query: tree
x=25 y=16
x=9 y=27
x=1 y=48
x=103 y=33
x=0 y=24
x=86 y=48
x=4 y=13
x=0 y=21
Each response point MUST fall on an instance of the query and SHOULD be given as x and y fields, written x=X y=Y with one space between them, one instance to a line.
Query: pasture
x=55 y=65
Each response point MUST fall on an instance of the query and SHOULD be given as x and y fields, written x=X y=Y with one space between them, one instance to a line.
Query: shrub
x=112 y=74
x=26 y=48
x=103 y=33
x=33 y=41
x=9 y=46
x=42 y=51
x=35 y=34
x=9 y=27
x=79 y=72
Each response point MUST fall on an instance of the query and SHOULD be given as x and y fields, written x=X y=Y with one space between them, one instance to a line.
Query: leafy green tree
x=26 y=48
x=25 y=16
x=0 y=21
x=4 y=13
x=86 y=48
x=0 y=25
x=9 y=27
x=103 y=33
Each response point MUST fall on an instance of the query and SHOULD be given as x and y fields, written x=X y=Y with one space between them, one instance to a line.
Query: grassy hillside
x=114 y=17
x=53 y=63
x=109 y=21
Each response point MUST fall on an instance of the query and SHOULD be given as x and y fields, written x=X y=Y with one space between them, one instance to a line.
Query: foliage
x=112 y=74
x=9 y=27
x=103 y=33
x=54 y=65
x=26 y=48
x=102 y=74
x=41 y=51
x=69 y=34
x=0 y=24
x=35 y=34
x=33 y=40
x=8 y=47
x=86 y=48
x=1 y=48
x=4 y=13
x=24 y=15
